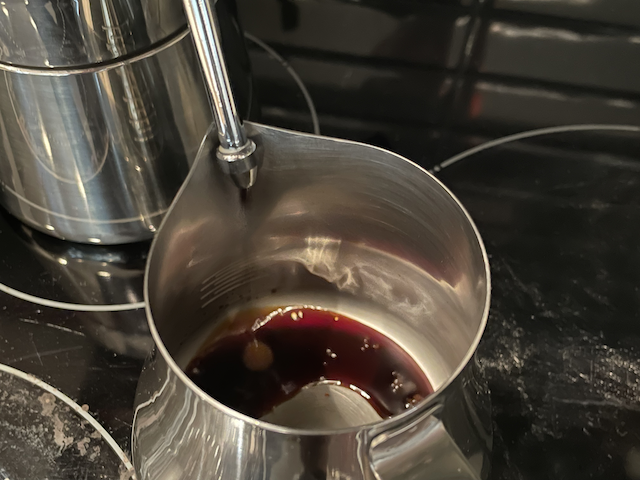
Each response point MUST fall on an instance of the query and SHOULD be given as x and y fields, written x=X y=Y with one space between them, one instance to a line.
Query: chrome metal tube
x=206 y=34
x=235 y=151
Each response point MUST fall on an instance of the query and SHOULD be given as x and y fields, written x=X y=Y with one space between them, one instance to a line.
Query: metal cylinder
x=95 y=153
x=72 y=33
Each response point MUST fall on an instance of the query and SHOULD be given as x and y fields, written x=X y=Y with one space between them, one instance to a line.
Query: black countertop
x=560 y=216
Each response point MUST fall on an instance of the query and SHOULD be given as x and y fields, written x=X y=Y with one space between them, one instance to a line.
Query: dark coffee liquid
x=264 y=358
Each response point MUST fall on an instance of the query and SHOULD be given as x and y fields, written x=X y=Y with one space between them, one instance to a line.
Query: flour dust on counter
x=45 y=435
x=560 y=219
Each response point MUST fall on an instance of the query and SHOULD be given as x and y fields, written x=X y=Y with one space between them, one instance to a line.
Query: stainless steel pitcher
x=102 y=110
x=356 y=230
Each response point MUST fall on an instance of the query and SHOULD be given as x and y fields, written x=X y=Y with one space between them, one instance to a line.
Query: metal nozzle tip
x=240 y=164
x=245 y=179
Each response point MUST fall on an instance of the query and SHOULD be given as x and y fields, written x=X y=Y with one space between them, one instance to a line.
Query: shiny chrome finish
x=72 y=33
x=96 y=155
x=235 y=153
x=340 y=225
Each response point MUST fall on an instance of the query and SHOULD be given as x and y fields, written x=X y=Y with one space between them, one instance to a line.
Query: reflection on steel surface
x=357 y=230
x=96 y=156
x=66 y=33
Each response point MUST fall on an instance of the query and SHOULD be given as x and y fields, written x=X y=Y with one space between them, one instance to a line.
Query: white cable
x=296 y=78
x=75 y=407
x=529 y=134
x=76 y=307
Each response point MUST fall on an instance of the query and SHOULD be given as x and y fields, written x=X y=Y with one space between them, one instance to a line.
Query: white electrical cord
x=531 y=134
x=275 y=55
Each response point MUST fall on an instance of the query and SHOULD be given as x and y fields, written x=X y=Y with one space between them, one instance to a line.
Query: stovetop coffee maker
x=102 y=109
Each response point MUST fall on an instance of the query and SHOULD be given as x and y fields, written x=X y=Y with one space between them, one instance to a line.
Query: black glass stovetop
x=560 y=216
